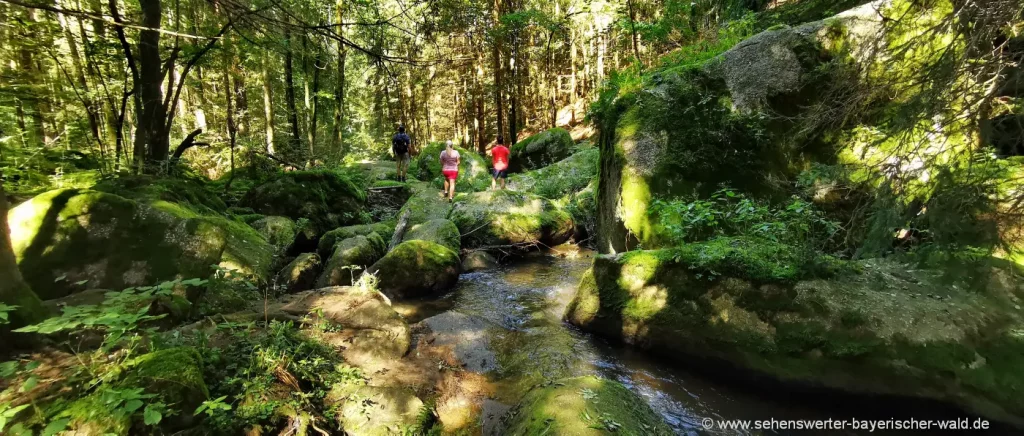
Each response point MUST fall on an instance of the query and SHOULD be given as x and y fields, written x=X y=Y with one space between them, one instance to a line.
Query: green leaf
x=8 y=368
x=61 y=278
x=29 y=384
x=55 y=427
x=133 y=405
x=152 y=416
x=81 y=282
x=31 y=365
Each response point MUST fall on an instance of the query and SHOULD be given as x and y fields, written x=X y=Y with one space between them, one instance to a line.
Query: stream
x=524 y=302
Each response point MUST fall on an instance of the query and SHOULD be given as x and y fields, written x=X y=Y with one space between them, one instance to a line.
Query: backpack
x=400 y=143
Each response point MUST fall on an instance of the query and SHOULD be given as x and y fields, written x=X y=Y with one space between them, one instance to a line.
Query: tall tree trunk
x=339 y=90
x=241 y=97
x=289 y=93
x=230 y=115
x=499 y=104
x=33 y=104
x=13 y=289
x=150 y=132
x=268 y=107
x=632 y=29
x=311 y=132
x=91 y=104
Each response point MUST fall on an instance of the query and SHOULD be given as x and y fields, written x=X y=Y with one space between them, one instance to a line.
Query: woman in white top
x=450 y=161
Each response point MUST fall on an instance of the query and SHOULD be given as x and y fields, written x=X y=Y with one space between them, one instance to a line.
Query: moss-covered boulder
x=175 y=376
x=478 y=261
x=326 y=246
x=443 y=232
x=90 y=416
x=327 y=199
x=583 y=406
x=416 y=268
x=364 y=326
x=565 y=177
x=373 y=410
x=300 y=274
x=425 y=204
x=582 y=206
x=737 y=119
x=279 y=231
x=474 y=172
x=498 y=218
x=192 y=192
x=350 y=258
x=540 y=150
x=71 y=240
x=890 y=329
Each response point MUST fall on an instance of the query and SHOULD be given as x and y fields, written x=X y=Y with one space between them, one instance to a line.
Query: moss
x=279 y=231
x=540 y=150
x=300 y=274
x=378 y=242
x=91 y=415
x=416 y=268
x=499 y=218
x=747 y=258
x=562 y=178
x=191 y=192
x=425 y=204
x=174 y=374
x=443 y=232
x=359 y=251
x=240 y=211
x=326 y=245
x=249 y=218
x=386 y=184
x=328 y=199
x=583 y=406
x=851 y=333
x=112 y=242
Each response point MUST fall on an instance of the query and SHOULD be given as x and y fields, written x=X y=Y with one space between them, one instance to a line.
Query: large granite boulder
x=300 y=274
x=72 y=240
x=327 y=199
x=562 y=178
x=416 y=268
x=540 y=150
x=279 y=231
x=350 y=258
x=326 y=245
x=364 y=326
x=890 y=329
x=503 y=218
x=443 y=232
x=741 y=119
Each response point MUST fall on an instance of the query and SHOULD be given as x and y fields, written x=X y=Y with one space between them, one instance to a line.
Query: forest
x=206 y=227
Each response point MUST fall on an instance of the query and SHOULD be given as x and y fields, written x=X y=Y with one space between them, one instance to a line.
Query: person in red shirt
x=499 y=156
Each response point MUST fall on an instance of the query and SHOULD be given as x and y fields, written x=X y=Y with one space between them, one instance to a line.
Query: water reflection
x=525 y=301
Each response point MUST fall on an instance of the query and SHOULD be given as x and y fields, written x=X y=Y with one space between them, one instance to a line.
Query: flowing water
x=524 y=302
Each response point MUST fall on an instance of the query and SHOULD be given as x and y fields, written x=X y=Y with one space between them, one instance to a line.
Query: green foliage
x=728 y=213
x=111 y=387
x=192 y=192
x=229 y=291
x=798 y=12
x=327 y=198
x=5 y=312
x=120 y=317
x=247 y=382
